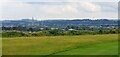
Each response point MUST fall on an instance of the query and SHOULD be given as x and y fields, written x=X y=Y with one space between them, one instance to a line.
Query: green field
x=106 y=44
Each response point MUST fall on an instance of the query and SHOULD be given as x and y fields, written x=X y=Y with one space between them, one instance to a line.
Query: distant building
x=41 y=28
x=53 y=28
x=71 y=29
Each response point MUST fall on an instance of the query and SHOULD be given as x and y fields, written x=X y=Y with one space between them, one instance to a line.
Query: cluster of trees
x=56 y=33
x=19 y=28
x=62 y=27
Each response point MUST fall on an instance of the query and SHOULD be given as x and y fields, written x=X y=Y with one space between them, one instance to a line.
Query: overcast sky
x=58 y=9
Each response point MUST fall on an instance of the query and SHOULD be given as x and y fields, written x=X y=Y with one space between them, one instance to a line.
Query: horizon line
x=62 y=18
x=65 y=19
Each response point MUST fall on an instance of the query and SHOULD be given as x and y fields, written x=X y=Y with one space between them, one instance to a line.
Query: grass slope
x=62 y=45
x=104 y=48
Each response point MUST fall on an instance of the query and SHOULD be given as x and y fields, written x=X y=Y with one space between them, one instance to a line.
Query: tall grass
x=46 y=45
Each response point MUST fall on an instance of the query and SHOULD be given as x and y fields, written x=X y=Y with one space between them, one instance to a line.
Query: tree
x=100 y=32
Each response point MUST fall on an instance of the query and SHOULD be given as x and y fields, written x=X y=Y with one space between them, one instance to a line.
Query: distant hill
x=37 y=25
x=29 y=22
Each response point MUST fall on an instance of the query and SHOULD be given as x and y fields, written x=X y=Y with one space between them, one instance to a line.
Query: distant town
x=76 y=24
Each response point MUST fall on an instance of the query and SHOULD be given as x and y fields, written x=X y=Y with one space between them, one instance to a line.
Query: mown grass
x=106 y=44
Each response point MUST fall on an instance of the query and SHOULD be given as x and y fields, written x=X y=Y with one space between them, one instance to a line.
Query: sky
x=58 y=9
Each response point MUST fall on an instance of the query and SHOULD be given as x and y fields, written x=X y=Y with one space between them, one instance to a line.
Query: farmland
x=104 y=44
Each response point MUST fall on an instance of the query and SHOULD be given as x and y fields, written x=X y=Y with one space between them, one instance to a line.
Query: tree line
x=56 y=33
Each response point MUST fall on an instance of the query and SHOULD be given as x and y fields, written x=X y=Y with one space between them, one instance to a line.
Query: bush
x=13 y=34
x=57 y=33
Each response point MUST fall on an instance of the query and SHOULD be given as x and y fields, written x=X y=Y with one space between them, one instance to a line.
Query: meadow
x=104 y=44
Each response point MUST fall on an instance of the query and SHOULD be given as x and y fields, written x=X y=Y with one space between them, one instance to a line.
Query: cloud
x=108 y=6
x=74 y=7
x=60 y=9
x=89 y=6
x=67 y=0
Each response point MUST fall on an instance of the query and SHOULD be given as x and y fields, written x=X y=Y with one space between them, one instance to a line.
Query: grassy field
x=106 y=44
